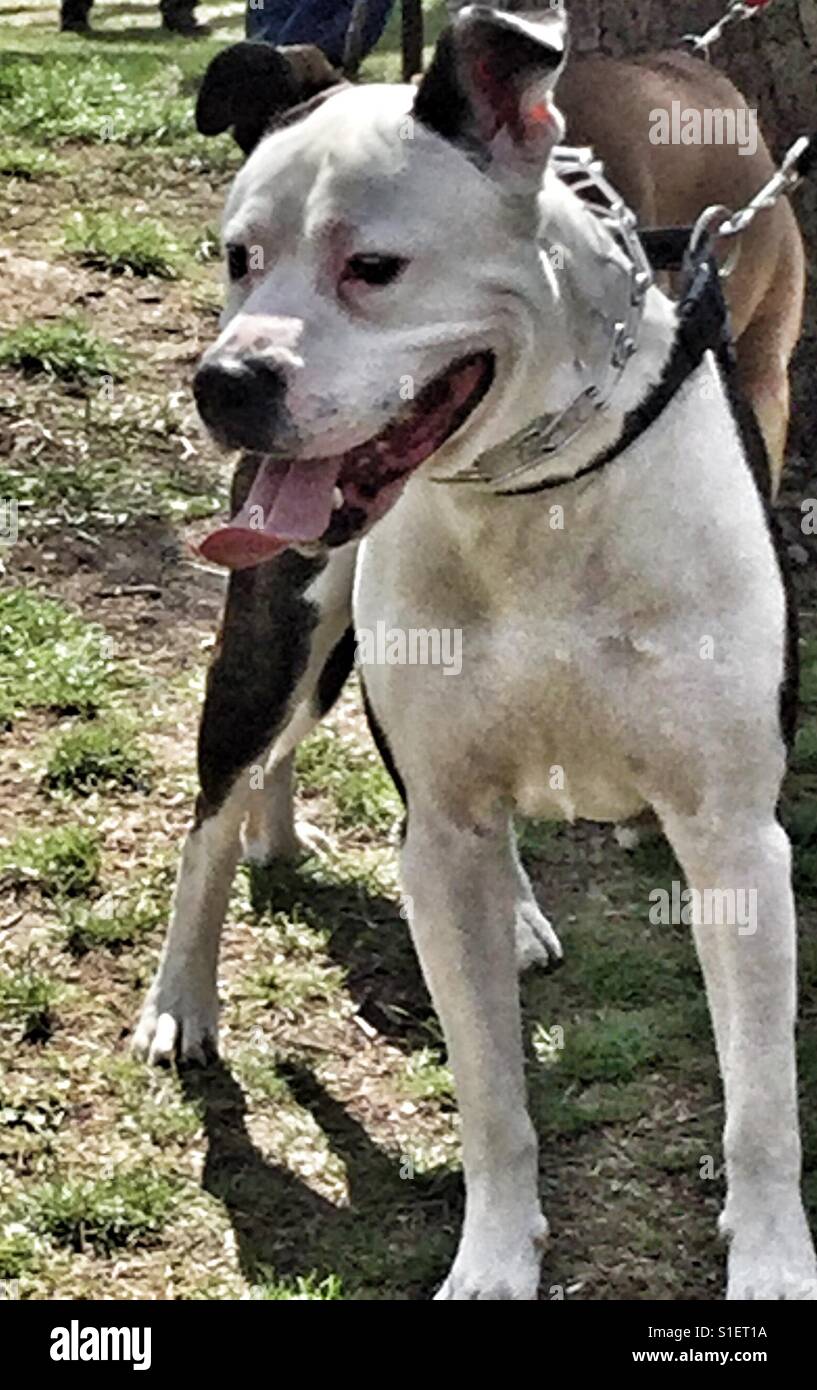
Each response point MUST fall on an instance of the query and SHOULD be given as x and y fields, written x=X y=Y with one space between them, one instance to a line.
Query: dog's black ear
x=251 y=83
x=490 y=84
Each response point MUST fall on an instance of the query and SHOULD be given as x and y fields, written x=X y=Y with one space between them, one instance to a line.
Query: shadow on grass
x=395 y=1238
x=367 y=937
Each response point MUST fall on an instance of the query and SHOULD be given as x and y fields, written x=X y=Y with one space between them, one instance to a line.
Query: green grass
x=804 y=757
x=120 y=242
x=66 y=350
x=362 y=792
x=106 y=485
x=19 y=1252
x=117 y=922
x=808 y=674
x=572 y=1112
x=612 y=1047
x=89 y=98
x=653 y=859
x=799 y=813
x=259 y=1075
x=51 y=659
x=301 y=1288
x=29 y=163
x=288 y=985
x=27 y=1001
x=151 y=1104
x=62 y=863
x=801 y=823
x=114 y=930
x=427 y=1077
x=31 y=1118
x=535 y=838
x=127 y=1209
x=635 y=976
x=102 y=753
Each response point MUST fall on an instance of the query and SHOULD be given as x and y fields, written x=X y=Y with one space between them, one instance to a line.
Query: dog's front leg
x=745 y=936
x=461 y=887
x=179 y=1017
x=283 y=625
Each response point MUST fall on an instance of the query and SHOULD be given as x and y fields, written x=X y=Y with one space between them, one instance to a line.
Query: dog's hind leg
x=536 y=941
x=766 y=344
x=282 y=622
x=763 y=376
x=270 y=832
x=740 y=869
x=461 y=886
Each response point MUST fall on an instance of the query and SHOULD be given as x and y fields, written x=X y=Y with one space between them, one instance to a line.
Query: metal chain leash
x=737 y=11
x=717 y=222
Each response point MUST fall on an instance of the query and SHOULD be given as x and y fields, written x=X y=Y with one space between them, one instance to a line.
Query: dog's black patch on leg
x=262 y=652
x=333 y=676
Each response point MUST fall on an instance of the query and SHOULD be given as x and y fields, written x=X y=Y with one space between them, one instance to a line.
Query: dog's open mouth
x=331 y=500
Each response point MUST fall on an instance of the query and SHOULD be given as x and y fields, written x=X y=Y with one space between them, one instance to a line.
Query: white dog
x=623 y=619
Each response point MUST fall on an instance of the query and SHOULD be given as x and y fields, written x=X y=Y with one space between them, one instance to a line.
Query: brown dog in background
x=609 y=104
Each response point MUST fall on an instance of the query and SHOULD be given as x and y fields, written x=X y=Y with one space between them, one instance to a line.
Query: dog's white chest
x=590 y=652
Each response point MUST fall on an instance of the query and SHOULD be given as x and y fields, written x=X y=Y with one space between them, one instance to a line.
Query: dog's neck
x=587 y=297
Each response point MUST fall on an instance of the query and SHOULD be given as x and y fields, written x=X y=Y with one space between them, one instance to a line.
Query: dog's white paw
x=298 y=842
x=771 y=1258
x=497 y=1270
x=536 y=941
x=177 y=1024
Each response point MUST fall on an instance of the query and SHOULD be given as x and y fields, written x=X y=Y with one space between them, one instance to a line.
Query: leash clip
x=736 y=11
x=792 y=169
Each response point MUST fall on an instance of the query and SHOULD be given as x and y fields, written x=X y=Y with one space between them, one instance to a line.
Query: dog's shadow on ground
x=391 y=1229
x=399 y=1227
x=367 y=935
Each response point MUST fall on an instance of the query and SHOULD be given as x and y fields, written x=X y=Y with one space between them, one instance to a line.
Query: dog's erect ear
x=489 y=87
x=251 y=83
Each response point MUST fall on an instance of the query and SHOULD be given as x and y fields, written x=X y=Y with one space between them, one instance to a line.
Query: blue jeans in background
x=322 y=22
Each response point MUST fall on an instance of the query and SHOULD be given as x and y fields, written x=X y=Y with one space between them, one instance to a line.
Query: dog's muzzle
x=240 y=400
x=326 y=499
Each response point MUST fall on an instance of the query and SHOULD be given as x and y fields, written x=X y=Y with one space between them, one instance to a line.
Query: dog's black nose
x=240 y=400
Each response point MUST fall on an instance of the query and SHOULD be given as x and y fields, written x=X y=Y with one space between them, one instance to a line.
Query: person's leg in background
x=74 y=16
x=179 y=17
x=322 y=22
x=266 y=18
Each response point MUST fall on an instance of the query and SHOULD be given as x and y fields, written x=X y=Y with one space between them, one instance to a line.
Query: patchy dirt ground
x=319 y=1157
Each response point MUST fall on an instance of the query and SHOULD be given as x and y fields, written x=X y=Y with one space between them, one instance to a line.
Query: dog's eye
x=371 y=269
x=237 y=263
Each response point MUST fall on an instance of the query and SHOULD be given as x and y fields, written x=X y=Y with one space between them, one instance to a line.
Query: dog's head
x=250 y=85
x=384 y=284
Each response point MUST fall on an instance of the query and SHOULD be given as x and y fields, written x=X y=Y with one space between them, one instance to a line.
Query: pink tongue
x=287 y=503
